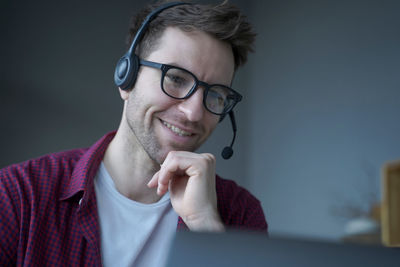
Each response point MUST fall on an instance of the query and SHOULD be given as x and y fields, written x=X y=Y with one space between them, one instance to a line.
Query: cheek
x=144 y=103
x=212 y=122
x=147 y=95
x=152 y=95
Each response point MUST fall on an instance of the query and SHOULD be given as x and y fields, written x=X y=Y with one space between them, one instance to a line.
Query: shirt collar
x=86 y=168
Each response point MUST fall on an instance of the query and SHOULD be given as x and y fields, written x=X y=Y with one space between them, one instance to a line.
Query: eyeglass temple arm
x=150 y=64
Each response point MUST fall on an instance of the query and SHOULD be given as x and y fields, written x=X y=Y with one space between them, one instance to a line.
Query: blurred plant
x=368 y=203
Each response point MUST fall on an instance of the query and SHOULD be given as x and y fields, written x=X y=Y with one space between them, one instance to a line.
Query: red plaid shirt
x=48 y=214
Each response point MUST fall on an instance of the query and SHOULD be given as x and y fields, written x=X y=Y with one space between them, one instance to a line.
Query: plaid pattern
x=48 y=214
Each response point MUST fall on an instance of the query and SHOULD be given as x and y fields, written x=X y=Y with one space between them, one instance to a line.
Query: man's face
x=161 y=123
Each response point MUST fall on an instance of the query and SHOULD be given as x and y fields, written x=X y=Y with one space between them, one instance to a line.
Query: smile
x=176 y=130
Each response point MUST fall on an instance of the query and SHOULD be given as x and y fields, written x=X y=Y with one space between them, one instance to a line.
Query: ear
x=124 y=93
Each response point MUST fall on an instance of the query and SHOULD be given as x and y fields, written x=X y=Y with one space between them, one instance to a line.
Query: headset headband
x=128 y=66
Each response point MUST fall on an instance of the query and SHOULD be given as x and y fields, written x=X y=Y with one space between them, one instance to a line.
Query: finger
x=182 y=164
x=179 y=163
x=164 y=177
x=162 y=189
x=154 y=180
x=166 y=171
x=171 y=170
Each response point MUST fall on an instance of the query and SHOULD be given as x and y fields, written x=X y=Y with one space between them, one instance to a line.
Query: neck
x=130 y=167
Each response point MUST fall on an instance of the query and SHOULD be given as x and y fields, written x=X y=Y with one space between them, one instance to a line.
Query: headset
x=128 y=66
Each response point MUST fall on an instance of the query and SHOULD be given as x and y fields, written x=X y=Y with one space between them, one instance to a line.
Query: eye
x=219 y=93
x=176 y=80
x=219 y=98
x=216 y=100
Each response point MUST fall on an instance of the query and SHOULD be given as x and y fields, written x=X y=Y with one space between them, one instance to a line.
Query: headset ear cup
x=126 y=71
x=121 y=71
x=135 y=65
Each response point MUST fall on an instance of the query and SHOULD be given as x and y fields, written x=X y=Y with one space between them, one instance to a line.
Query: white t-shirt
x=132 y=233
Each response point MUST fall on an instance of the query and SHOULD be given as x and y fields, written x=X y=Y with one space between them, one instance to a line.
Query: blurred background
x=320 y=114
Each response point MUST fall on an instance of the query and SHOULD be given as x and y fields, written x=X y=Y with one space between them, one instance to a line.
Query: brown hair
x=223 y=21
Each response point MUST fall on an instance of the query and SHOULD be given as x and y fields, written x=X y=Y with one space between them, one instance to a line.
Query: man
x=120 y=202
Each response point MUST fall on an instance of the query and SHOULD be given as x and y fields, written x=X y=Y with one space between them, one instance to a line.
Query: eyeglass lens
x=178 y=83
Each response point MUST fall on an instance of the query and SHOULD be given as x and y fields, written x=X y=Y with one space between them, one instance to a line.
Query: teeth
x=176 y=130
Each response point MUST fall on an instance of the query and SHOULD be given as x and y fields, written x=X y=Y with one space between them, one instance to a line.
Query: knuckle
x=208 y=159
x=171 y=155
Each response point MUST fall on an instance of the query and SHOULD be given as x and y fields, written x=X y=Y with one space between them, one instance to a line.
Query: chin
x=160 y=155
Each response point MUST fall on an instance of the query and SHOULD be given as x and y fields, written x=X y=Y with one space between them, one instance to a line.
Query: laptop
x=255 y=249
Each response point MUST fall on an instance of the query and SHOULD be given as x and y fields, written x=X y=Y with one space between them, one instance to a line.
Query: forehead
x=210 y=59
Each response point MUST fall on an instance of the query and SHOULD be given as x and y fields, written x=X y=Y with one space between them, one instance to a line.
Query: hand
x=190 y=179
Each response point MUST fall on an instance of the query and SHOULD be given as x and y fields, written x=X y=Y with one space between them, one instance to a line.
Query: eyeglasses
x=179 y=83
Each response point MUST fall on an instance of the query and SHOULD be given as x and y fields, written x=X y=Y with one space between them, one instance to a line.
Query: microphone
x=227 y=152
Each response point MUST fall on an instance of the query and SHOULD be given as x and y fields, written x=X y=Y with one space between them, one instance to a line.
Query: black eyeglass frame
x=165 y=67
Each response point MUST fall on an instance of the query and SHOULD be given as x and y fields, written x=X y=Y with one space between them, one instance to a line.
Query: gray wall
x=57 y=67
x=323 y=110
x=318 y=120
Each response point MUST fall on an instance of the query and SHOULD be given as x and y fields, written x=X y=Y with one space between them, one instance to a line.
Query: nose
x=193 y=106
